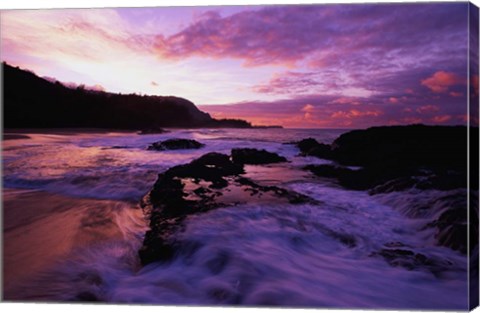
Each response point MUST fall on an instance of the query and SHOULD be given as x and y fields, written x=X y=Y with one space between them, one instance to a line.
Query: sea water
x=73 y=227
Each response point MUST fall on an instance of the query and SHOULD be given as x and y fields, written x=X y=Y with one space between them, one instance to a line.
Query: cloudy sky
x=333 y=65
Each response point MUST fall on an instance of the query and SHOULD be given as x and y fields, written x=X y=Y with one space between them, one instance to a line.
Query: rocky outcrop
x=452 y=224
x=392 y=159
x=395 y=158
x=255 y=156
x=311 y=147
x=175 y=144
x=207 y=183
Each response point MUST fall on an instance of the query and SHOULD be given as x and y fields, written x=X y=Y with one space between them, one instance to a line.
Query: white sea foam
x=255 y=254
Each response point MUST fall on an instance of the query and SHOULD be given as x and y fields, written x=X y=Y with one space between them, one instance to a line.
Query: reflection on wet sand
x=43 y=229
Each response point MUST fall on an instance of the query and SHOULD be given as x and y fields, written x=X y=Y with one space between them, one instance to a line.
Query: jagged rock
x=435 y=147
x=326 y=170
x=411 y=260
x=175 y=144
x=311 y=147
x=452 y=223
x=207 y=183
x=255 y=156
x=397 y=158
x=291 y=196
x=211 y=167
x=351 y=179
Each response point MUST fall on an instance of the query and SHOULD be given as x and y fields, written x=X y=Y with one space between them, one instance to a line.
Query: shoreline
x=77 y=227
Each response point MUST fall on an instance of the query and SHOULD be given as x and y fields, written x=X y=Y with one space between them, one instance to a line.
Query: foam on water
x=256 y=255
x=253 y=254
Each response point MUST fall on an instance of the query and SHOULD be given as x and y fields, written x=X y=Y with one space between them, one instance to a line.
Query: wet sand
x=42 y=229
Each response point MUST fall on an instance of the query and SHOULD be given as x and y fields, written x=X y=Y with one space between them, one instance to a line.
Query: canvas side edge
x=473 y=153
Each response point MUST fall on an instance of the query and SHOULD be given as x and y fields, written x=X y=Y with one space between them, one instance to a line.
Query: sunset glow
x=332 y=66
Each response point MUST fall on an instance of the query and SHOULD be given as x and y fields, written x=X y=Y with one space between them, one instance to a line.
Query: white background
x=82 y=308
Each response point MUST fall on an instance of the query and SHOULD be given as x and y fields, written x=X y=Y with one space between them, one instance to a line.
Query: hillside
x=33 y=102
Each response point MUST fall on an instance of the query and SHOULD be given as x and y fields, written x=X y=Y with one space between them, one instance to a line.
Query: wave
x=350 y=250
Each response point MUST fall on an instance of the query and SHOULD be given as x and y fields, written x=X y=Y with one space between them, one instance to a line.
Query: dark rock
x=351 y=179
x=391 y=254
x=327 y=170
x=175 y=144
x=218 y=160
x=255 y=156
x=86 y=296
x=452 y=224
x=212 y=167
x=305 y=145
x=156 y=248
x=181 y=191
x=311 y=147
x=414 y=261
x=442 y=180
x=292 y=196
x=397 y=158
x=395 y=244
x=414 y=145
x=153 y=130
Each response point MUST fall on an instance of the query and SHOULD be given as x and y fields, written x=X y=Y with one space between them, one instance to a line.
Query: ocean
x=73 y=228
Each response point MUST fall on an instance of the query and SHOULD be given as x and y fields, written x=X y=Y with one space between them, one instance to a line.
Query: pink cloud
x=69 y=36
x=474 y=80
x=308 y=109
x=342 y=72
x=428 y=109
x=337 y=111
x=393 y=100
x=441 y=81
x=455 y=94
x=355 y=114
x=441 y=118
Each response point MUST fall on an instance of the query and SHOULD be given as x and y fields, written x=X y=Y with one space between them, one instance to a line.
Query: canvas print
x=300 y=156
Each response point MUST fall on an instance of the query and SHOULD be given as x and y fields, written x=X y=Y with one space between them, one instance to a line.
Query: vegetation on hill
x=34 y=102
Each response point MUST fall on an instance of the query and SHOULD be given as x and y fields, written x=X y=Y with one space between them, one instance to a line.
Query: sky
x=301 y=66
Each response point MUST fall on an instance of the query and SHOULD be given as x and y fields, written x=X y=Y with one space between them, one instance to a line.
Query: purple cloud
x=324 y=34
